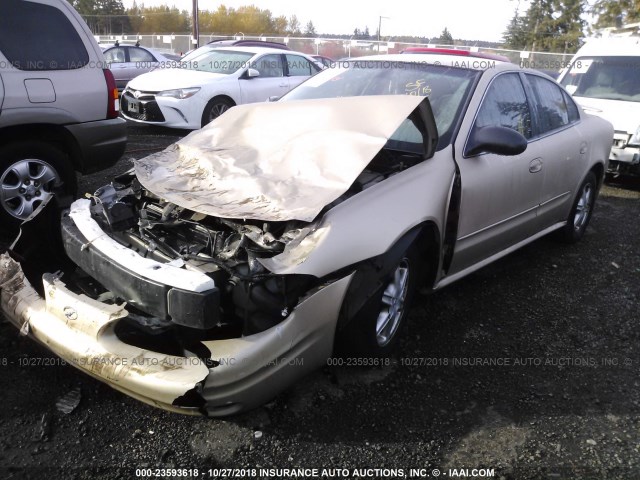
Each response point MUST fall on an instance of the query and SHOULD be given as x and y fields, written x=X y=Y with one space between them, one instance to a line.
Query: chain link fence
x=337 y=48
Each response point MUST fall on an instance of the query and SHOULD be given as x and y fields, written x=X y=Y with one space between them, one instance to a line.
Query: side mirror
x=273 y=98
x=252 y=73
x=498 y=140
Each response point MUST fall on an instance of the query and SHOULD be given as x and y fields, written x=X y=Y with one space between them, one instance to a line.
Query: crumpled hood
x=275 y=161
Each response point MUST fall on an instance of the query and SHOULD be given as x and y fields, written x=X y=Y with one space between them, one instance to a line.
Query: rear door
x=139 y=61
x=298 y=69
x=116 y=57
x=271 y=82
x=500 y=194
x=564 y=149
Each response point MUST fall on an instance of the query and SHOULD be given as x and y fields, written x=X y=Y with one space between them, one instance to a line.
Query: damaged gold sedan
x=224 y=268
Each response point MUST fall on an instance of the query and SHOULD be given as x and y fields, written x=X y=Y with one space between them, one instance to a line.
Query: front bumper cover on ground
x=248 y=371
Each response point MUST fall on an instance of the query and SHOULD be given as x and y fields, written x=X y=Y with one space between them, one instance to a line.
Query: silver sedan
x=128 y=61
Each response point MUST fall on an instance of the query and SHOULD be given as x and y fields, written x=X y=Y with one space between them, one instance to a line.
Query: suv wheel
x=29 y=173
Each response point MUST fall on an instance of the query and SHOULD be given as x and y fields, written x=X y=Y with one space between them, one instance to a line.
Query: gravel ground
x=528 y=368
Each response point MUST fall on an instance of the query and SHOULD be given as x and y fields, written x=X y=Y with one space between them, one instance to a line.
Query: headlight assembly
x=180 y=93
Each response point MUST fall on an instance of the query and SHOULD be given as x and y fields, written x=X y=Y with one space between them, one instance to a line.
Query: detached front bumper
x=248 y=371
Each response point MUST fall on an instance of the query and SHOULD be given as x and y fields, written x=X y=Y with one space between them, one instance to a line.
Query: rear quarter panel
x=598 y=133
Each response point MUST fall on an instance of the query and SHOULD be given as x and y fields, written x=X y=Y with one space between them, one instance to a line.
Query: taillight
x=113 y=104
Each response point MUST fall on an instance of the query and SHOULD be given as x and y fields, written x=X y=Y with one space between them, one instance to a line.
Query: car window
x=299 y=66
x=505 y=105
x=551 y=106
x=407 y=138
x=270 y=66
x=447 y=87
x=572 y=108
x=115 y=55
x=140 y=55
x=39 y=37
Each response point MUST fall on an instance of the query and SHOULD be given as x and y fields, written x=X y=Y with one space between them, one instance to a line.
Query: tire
x=581 y=211
x=29 y=173
x=375 y=329
x=216 y=107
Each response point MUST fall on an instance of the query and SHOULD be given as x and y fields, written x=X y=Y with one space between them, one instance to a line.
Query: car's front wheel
x=375 y=330
x=29 y=174
x=216 y=107
x=581 y=211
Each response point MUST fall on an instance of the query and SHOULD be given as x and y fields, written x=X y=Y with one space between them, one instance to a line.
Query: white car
x=212 y=80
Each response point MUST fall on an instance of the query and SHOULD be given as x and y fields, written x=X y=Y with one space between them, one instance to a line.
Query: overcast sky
x=467 y=19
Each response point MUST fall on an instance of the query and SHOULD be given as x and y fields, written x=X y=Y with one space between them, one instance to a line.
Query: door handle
x=535 y=165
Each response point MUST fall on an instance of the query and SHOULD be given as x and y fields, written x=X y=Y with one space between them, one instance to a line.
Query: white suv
x=211 y=80
x=58 y=105
x=604 y=79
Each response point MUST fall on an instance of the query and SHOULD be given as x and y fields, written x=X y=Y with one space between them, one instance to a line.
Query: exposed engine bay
x=248 y=297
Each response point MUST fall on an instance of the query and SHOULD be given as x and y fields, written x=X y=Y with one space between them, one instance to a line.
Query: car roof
x=611 y=46
x=456 y=52
x=254 y=50
x=468 y=62
x=249 y=43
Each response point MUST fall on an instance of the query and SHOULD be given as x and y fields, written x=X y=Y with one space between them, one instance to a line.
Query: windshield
x=611 y=78
x=225 y=62
x=446 y=87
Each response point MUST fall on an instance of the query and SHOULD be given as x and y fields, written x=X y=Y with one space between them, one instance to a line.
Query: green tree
x=135 y=17
x=294 y=26
x=253 y=20
x=516 y=36
x=160 y=19
x=568 y=27
x=280 y=25
x=445 y=37
x=103 y=16
x=607 y=11
x=547 y=26
x=310 y=30
x=220 y=21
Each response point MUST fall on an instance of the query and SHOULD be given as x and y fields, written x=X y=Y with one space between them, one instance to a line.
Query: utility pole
x=379 y=27
x=535 y=31
x=195 y=33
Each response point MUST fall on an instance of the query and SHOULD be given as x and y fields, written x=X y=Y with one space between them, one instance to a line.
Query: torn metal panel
x=275 y=161
x=276 y=357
